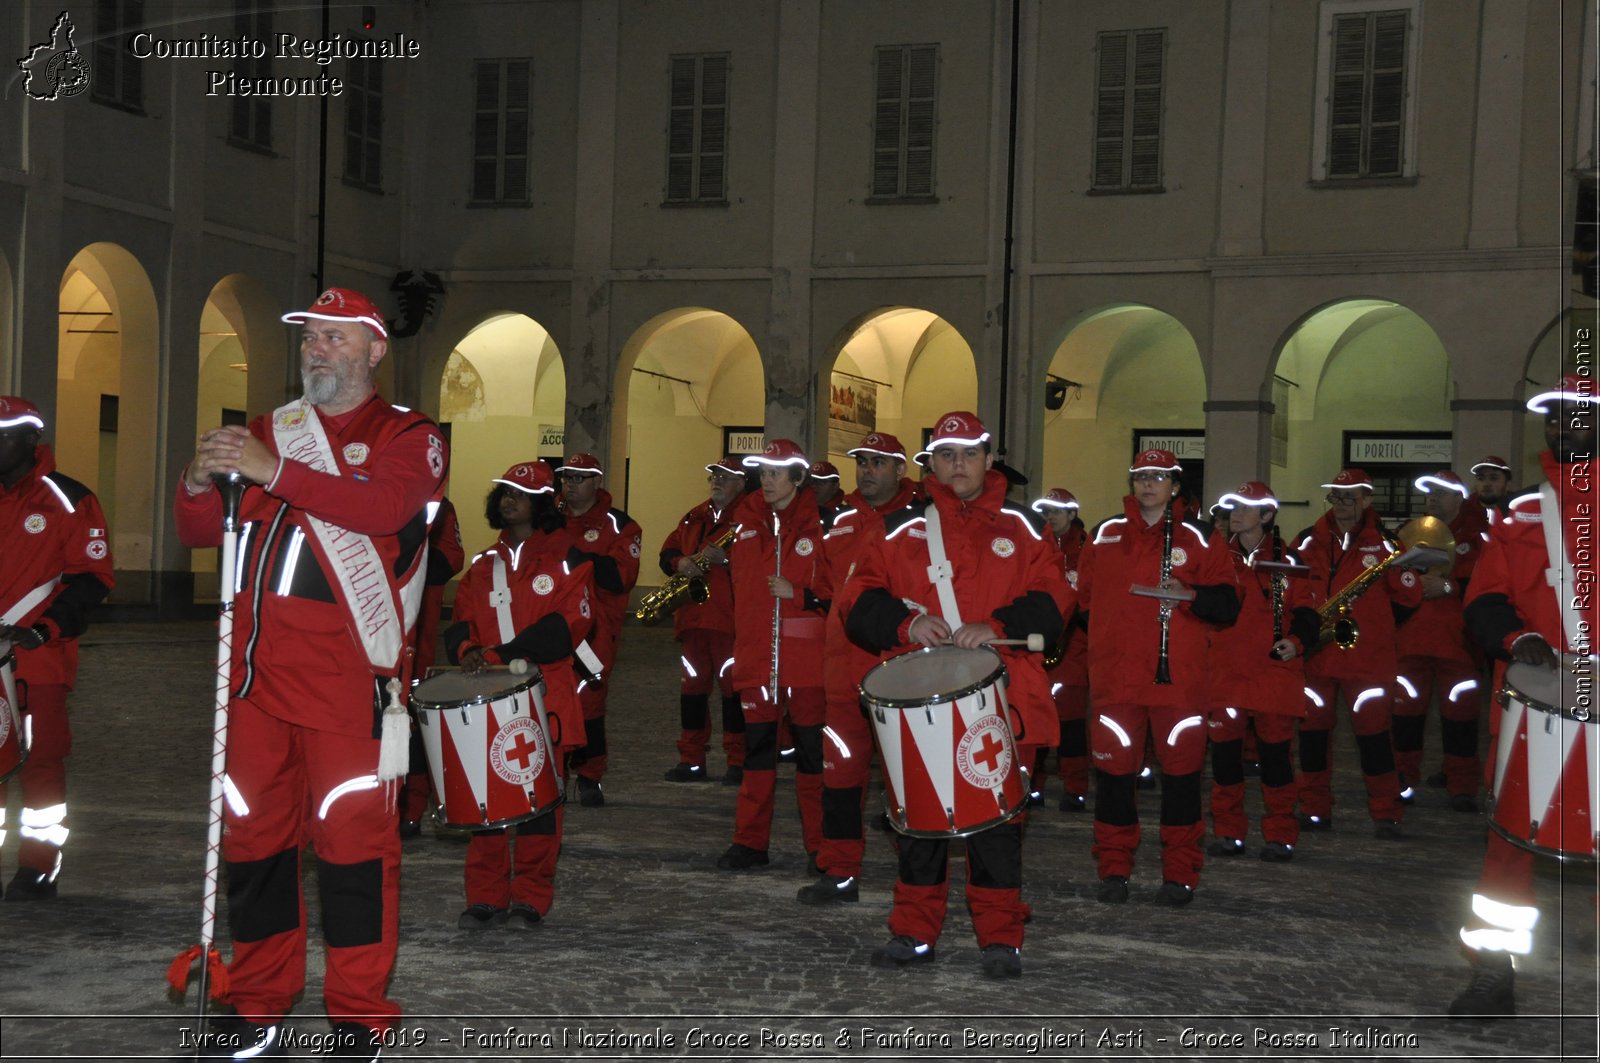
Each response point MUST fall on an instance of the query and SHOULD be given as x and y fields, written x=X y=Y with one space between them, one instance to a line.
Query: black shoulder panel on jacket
x=901 y=517
x=75 y=491
x=1029 y=517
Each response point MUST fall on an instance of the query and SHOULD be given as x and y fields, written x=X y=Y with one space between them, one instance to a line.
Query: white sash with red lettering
x=380 y=614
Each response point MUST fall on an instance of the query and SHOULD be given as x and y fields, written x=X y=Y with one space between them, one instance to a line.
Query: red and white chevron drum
x=489 y=747
x=1547 y=760
x=943 y=728
x=13 y=728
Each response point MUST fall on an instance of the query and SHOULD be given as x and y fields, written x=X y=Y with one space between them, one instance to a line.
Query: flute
x=1163 y=676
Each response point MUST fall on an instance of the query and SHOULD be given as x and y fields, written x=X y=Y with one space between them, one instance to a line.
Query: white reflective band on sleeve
x=1365 y=696
x=1487 y=939
x=724 y=669
x=1466 y=686
x=291 y=560
x=360 y=782
x=1502 y=915
x=59 y=494
x=1182 y=726
x=1055 y=688
x=1405 y=684
x=1122 y=736
x=236 y=800
x=430 y=511
x=1233 y=714
x=687 y=667
x=838 y=743
x=1314 y=697
x=241 y=555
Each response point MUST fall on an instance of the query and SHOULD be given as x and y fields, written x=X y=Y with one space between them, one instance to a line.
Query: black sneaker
x=883 y=823
x=734 y=776
x=231 y=1037
x=1074 y=803
x=1113 y=890
x=742 y=858
x=902 y=951
x=410 y=828
x=481 y=917
x=590 y=795
x=351 y=1040
x=1147 y=779
x=1277 y=852
x=30 y=885
x=829 y=889
x=1387 y=829
x=686 y=773
x=1408 y=793
x=1036 y=799
x=1463 y=803
x=522 y=917
x=1227 y=847
x=1001 y=961
x=1174 y=894
x=1491 y=991
x=1308 y=822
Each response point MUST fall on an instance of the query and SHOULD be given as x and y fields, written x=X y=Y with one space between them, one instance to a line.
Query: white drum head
x=931 y=675
x=452 y=688
x=1569 y=690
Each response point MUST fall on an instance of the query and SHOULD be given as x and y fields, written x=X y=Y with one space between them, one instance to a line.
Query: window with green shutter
x=697 y=129
x=1129 y=74
x=501 y=131
x=905 y=114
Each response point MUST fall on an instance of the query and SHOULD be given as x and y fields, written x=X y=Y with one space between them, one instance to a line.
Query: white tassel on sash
x=394 y=748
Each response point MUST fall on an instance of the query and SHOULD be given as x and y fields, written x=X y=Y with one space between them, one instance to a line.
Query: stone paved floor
x=1348 y=950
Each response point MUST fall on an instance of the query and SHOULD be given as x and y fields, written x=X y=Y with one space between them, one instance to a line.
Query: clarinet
x=777 y=603
x=1163 y=676
x=1280 y=583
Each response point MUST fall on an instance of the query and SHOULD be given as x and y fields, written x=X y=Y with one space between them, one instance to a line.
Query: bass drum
x=1547 y=760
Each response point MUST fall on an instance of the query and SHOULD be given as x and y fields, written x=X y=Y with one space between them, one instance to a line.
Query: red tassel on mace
x=216 y=972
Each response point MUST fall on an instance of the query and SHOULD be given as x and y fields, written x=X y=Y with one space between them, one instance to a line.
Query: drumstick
x=1034 y=643
x=515 y=667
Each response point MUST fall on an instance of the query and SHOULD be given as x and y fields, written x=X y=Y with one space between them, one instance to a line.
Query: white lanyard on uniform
x=1555 y=547
x=940 y=571
x=26 y=603
x=500 y=598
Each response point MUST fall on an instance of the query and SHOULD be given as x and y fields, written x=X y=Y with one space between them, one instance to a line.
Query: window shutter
x=1110 y=109
x=713 y=125
x=1145 y=130
x=1347 y=97
x=920 y=110
x=1388 y=94
x=887 y=125
x=680 y=129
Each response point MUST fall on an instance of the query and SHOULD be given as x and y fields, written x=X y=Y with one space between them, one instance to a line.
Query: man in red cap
x=612 y=540
x=881 y=489
x=57 y=567
x=1258 y=678
x=1540 y=612
x=964 y=567
x=334 y=527
x=1435 y=657
x=782 y=588
x=1494 y=490
x=1147 y=668
x=1347 y=540
x=824 y=482
x=1069 y=674
x=528 y=597
x=704 y=630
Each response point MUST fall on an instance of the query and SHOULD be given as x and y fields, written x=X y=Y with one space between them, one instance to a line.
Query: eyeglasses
x=575 y=477
x=1335 y=497
x=1151 y=477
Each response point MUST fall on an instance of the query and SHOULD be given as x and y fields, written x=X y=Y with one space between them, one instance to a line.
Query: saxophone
x=680 y=588
x=1427 y=541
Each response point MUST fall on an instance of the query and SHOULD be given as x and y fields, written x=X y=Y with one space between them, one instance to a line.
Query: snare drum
x=1547 y=760
x=950 y=763
x=13 y=727
x=489 y=747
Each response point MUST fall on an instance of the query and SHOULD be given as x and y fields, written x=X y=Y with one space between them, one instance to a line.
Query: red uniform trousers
x=994 y=883
x=300 y=785
x=847 y=748
x=592 y=759
x=43 y=778
x=1457 y=685
x=1118 y=745
x=707 y=657
x=1274 y=736
x=1072 y=755
x=1369 y=717
x=752 y=825
x=517 y=864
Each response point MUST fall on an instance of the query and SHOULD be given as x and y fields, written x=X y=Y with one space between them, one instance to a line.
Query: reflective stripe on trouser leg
x=921 y=890
x=42 y=832
x=43 y=776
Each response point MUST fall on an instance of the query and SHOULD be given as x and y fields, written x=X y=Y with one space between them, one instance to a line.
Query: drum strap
x=940 y=570
x=25 y=605
x=500 y=598
x=1555 y=575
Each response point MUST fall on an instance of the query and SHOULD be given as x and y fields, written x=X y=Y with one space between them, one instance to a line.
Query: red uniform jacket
x=697 y=528
x=294 y=653
x=1125 y=629
x=56 y=551
x=1244 y=673
x=551 y=610
x=1007 y=574
x=1073 y=669
x=1510 y=596
x=446 y=555
x=1336 y=559
x=1436 y=629
x=613 y=538
x=856 y=527
x=805 y=564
